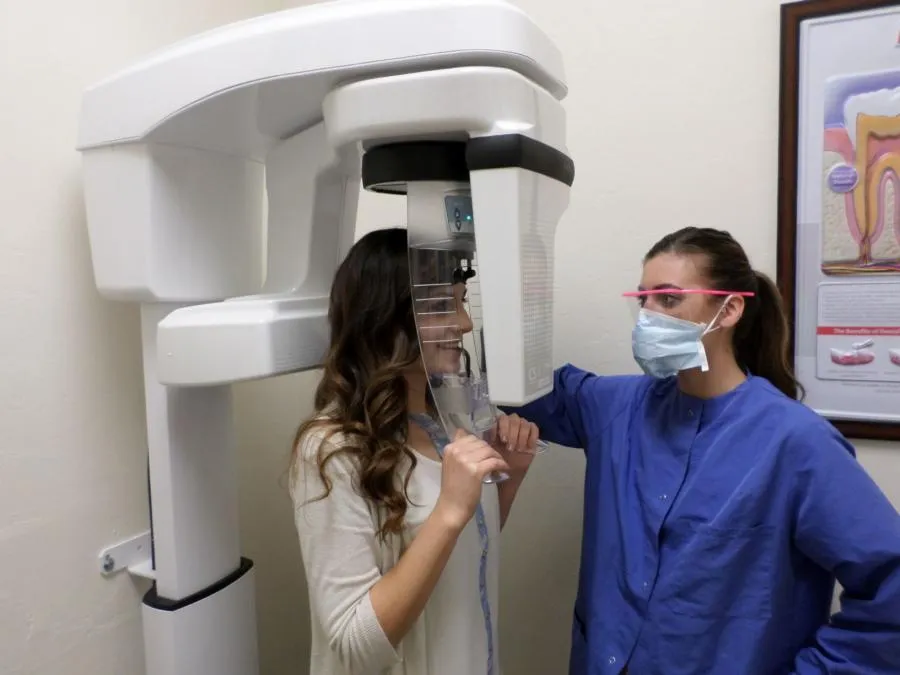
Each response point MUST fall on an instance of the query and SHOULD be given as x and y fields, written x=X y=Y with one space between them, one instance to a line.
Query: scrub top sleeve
x=580 y=405
x=845 y=524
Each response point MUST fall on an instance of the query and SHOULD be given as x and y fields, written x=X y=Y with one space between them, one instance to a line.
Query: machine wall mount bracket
x=133 y=554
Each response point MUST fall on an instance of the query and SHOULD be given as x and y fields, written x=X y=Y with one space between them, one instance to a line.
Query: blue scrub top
x=714 y=530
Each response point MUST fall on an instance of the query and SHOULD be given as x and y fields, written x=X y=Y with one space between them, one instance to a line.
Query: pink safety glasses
x=665 y=299
x=685 y=291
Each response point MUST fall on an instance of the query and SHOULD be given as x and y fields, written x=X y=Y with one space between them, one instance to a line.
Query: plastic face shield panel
x=447 y=308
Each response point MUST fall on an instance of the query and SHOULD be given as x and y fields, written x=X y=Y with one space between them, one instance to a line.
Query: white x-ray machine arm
x=183 y=153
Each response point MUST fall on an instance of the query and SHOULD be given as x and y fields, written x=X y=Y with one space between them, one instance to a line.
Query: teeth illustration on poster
x=861 y=165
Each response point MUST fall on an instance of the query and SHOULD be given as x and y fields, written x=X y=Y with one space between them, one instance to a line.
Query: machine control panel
x=460 y=217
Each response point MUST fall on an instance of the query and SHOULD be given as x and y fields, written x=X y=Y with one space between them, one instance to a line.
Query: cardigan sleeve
x=338 y=543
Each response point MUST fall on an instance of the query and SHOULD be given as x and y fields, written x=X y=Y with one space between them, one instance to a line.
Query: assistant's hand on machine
x=516 y=440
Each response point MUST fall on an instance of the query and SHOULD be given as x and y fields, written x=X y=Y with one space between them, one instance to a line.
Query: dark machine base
x=154 y=600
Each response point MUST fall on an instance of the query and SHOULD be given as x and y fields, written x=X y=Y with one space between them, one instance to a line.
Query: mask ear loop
x=704 y=365
x=708 y=328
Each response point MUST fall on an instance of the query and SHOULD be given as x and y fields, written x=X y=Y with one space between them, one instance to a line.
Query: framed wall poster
x=839 y=208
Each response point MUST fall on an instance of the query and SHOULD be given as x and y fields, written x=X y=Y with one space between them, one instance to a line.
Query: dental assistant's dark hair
x=762 y=335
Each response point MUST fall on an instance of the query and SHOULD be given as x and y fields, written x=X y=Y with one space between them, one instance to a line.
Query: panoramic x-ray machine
x=455 y=101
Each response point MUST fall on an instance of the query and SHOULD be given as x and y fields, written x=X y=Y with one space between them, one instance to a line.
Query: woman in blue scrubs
x=718 y=509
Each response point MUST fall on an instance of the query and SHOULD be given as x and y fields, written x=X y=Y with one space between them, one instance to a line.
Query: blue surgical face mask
x=664 y=346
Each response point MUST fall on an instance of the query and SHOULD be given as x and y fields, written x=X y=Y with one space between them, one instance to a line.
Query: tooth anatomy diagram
x=861 y=195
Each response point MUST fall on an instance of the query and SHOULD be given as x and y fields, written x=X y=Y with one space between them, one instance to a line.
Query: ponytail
x=763 y=344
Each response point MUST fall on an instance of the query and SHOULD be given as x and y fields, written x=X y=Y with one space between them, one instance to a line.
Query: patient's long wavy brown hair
x=363 y=392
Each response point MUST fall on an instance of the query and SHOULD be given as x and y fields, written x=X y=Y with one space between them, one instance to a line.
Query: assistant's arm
x=364 y=614
x=581 y=402
x=846 y=524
